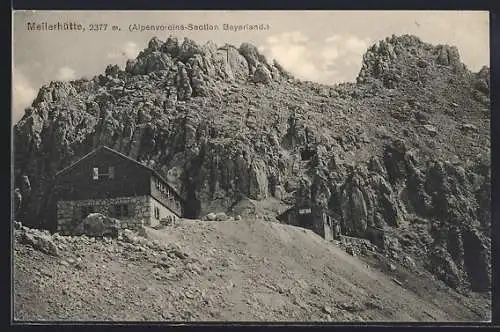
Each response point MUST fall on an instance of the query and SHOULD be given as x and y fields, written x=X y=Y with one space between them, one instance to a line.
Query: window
x=122 y=210
x=163 y=188
x=95 y=173
x=86 y=210
x=157 y=213
x=304 y=211
x=103 y=172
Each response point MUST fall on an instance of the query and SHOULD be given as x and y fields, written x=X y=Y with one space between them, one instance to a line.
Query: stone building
x=108 y=182
x=321 y=221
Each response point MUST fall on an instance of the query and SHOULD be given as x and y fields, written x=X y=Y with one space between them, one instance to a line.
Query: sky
x=321 y=46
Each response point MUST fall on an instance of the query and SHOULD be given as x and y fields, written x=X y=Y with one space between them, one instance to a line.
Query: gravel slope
x=248 y=270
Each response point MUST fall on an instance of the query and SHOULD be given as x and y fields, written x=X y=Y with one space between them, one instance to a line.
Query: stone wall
x=70 y=214
x=164 y=213
x=355 y=245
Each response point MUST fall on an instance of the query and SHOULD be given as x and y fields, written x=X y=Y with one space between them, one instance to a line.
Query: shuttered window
x=103 y=172
x=95 y=173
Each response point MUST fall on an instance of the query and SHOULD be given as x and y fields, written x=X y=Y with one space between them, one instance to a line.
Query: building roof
x=121 y=155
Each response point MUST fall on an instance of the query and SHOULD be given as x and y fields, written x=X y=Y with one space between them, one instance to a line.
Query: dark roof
x=283 y=214
x=103 y=147
x=297 y=207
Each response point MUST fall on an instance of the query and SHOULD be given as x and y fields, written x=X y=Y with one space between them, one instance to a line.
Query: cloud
x=356 y=45
x=332 y=39
x=129 y=50
x=351 y=48
x=22 y=94
x=294 y=37
x=290 y=50
x=336 y=59
x=330 y=54
x=65 y=74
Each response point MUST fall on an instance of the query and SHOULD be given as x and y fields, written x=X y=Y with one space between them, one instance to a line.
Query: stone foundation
x=70 y=213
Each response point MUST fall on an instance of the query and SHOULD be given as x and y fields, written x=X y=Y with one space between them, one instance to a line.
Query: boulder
x=98 y=225
x=211 y=216
x=221 y=216
x=39 y=241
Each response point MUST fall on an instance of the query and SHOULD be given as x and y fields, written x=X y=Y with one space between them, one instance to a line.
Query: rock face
x=389 y=154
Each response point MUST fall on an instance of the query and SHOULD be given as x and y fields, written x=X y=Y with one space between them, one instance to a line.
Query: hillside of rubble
x=248 y=270
x=405 y=150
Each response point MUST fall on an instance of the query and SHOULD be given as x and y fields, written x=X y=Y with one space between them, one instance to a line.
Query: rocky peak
x=205 y=63
x=154 y=44
x=192 y=70
x=397 y=59
x=54 y=91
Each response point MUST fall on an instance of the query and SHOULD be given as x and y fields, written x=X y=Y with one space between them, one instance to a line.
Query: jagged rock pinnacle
x=405 y=57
